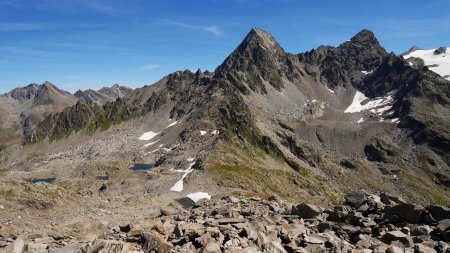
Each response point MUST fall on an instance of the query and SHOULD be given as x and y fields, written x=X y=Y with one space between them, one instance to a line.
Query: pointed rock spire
x=260 y=56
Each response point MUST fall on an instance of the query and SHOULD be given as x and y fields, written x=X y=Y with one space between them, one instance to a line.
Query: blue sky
x=80 y=44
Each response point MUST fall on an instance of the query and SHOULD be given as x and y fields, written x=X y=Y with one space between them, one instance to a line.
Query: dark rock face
x=258 y=59
x=440 y=50
x=343 y=65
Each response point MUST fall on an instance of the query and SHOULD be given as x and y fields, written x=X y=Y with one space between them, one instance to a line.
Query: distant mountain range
x=22 y=108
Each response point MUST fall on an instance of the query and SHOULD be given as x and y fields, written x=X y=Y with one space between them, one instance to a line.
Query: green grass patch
x=439 y=195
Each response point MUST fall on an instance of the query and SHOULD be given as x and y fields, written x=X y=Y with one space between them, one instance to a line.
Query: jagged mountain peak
x=364 y=35
x=261 y=56
x=260 y=38
x=364 y=40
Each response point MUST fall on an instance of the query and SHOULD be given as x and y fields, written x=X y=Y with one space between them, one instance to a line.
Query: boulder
x=178 y=231
x=339 y=213
x=394 y=249
x=439 y=212
x=443 y=229
x=409 y=212
x=392 y=236
x=306 y=211
x=152 y=241
x=420 y=248
x=356 y=199
x=37 y=248
x=274 y=247
x=418 y=230
x=16 y=247
x=66 y=249
x=389 y=199
x=212 y=247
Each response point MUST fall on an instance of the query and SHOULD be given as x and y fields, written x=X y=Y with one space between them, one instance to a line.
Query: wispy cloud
x=107 y=7
x=215 y=30
x=17 y=27
x=151 y=66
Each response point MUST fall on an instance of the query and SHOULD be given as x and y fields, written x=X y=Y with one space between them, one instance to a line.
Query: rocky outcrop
x=235 y=224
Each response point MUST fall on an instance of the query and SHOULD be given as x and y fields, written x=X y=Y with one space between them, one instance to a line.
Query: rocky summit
x=263 y=154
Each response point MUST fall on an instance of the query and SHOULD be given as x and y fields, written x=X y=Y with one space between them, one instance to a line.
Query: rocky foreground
x=365 y=223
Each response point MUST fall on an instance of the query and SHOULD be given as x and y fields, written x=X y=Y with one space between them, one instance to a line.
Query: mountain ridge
x=282 y=115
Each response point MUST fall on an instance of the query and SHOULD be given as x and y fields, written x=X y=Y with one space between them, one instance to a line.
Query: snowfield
x=437 y=63
x=376 y=105
x=148 y=136
x=178 y=186
x=198 y=196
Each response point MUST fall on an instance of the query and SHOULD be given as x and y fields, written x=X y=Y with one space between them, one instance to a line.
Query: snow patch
x=151 y=143
x=173 y=124
x=178 y=186
x=361 y=120
x=396 y=120
x=190 y=159
x=214 y=132
x=148 y=136
x=330 y=90
x=438 y=63
x=202 y=132
x=366 y=72
x=357 y=106
x=198 y=196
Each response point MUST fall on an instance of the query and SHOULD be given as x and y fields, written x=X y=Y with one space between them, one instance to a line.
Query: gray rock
x=356 y=199
x=394 y=249
x=66 y=249
x=443 y=229
x=37 y=248
x=178 y=231
x=389 y=199
x=420 y=248
x=392 y=236
x=421 y=230
x=16 y=247
x=306 y=211
x=212 y=247
x=316 y=239
x=409 y=212
x=274 y=247
x=439 y=212
x=155 y=242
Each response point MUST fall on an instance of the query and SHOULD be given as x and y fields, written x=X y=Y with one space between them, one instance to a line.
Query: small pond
x=102 y=177
x=48 y=180
x=142 y=167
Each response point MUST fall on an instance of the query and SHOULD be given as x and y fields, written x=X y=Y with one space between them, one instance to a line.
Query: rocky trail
x=364 y=223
